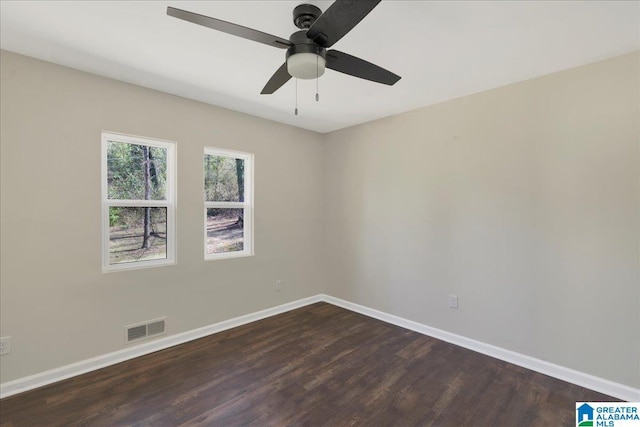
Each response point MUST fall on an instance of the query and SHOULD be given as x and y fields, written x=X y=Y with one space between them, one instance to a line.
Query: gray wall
x=523 y=201
x=57 y=305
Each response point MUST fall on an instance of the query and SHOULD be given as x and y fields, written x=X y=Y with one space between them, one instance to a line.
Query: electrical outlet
x=278 y=285
x=5 y=345
x=453 y=301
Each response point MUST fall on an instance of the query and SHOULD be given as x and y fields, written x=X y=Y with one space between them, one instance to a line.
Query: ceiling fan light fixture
x=305 y=65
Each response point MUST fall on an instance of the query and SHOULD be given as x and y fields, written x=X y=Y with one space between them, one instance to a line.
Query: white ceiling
x=442 y=50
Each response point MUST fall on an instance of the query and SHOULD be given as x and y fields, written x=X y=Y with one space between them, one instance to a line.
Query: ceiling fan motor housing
x=305 y=59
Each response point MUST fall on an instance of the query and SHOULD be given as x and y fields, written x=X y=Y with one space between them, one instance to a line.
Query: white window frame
x=247 y=205
x=169 y=203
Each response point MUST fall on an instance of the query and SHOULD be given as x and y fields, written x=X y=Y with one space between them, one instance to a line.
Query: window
x=138 y=202
x=228 y=200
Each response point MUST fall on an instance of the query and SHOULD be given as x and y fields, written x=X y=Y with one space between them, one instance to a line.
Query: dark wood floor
x=318 y=365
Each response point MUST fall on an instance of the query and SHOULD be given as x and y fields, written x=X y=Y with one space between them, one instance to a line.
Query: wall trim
x=82 y=367
x=582 y=379
x=589 y=381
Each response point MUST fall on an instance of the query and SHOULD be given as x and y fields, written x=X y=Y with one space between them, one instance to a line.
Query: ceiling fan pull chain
x=317 y=78
x=296 y=110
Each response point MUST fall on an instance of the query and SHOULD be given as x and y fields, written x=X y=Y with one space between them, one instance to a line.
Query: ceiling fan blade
x=345 y=63
x=280 y=77
x=338 y=20
x=229 y=28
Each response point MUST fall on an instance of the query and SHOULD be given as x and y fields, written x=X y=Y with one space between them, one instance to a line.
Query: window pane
x=136 y=172
x=127 y=242
x=225 y=230
x=223 y=179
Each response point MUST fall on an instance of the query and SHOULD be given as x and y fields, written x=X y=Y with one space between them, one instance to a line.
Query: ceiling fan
x=307 y=54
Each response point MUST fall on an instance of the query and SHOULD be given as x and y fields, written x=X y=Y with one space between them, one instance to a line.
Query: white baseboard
x=592 y=382
x=48 y=377
x=575 y=377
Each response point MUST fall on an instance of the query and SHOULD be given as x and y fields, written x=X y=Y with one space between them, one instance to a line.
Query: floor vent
x=147 y=329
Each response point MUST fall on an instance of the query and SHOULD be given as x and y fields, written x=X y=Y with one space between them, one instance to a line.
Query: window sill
x=138 y=266
x=228 y=255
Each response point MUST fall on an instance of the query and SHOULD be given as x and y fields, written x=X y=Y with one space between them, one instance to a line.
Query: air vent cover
x=136 y=332
x=155 y=328
x=147 y=329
